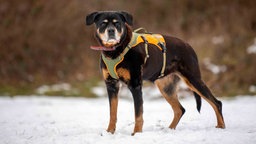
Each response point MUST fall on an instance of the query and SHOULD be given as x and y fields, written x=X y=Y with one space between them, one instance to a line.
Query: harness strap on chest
x=111 y=64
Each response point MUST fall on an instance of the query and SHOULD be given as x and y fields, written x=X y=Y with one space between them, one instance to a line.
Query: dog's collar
x=101 y=48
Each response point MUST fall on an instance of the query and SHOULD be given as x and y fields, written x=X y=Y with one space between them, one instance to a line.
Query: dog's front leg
x=138 y=106
x=112 y=89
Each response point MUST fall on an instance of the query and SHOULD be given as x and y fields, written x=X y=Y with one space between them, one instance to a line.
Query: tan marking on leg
x=113 y=115
x=105 y=73
x=124 y=73
x=138 y=124
x=220 y=120
x=171 y=99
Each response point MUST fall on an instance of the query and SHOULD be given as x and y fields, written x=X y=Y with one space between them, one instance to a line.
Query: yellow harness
x=137 y=38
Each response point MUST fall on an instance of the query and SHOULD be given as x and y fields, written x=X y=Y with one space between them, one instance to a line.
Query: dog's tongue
x=102 y=48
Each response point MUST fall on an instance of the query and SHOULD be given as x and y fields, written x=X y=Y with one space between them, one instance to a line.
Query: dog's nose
x=111 y=32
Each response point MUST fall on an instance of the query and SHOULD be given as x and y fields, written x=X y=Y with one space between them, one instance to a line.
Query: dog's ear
x=90 y=19
x=127 y=17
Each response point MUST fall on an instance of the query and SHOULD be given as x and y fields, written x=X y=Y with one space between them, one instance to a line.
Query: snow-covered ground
x=57 y=120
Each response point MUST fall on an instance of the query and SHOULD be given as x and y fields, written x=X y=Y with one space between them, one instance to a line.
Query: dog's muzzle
x=111 y=34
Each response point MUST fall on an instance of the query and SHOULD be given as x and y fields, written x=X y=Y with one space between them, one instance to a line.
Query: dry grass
x=47 y=42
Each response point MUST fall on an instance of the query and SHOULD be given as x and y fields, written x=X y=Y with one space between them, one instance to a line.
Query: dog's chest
x=111 y=65
x=120 y=73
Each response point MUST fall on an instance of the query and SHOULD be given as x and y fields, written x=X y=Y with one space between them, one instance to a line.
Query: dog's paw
x=105 y=133
x=221 y=126
x=112 y=131
x=135 y=133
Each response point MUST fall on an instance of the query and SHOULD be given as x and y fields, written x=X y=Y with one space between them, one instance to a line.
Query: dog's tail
x=198 y=101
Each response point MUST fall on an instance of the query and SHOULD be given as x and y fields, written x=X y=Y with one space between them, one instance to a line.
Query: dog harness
x=137 y=38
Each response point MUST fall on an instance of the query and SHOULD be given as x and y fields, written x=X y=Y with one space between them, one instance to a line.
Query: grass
x=78 y=89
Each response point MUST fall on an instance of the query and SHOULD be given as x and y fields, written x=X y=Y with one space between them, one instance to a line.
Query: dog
x=161 y=59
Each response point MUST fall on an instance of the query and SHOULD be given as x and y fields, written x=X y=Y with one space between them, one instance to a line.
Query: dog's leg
x=138 y=106
x=198 y=86
x=168 y=88
x=112 y=89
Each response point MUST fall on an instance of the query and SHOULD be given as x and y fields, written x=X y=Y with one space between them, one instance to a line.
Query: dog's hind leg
x=112 y=89
x=198 y=86
x=168 y=87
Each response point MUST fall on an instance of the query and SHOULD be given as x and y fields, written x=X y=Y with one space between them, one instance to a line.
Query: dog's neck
x=119 y=48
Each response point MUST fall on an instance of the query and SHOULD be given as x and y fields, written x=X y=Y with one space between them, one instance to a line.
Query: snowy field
x=57 y=120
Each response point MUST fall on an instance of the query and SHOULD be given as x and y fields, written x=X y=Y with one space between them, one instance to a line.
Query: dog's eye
x=117 y=23
x=104 y=23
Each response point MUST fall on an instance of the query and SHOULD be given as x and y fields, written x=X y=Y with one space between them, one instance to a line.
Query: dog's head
x=110 y=26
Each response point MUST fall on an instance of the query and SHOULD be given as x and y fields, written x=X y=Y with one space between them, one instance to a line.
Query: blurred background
x=44 y=45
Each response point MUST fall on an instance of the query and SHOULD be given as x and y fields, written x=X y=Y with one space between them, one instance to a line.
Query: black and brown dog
x=135 y=63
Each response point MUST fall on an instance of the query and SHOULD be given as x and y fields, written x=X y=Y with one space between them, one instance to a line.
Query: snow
x=252 y=48
x=218 y=40
x=149 y=90
x=252 y=88
x=59 y=87
x=53 y=88
x=215 y=69
x=58 y=120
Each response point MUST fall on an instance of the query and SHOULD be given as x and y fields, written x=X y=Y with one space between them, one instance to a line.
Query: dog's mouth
x=109 y=45
x=111 y=42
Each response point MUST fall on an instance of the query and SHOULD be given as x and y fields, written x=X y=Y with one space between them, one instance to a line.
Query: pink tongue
x=102 y=48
